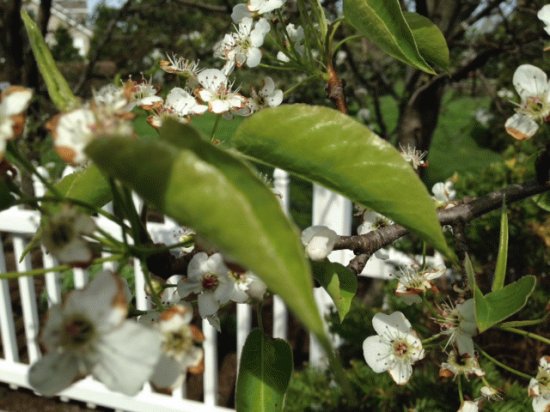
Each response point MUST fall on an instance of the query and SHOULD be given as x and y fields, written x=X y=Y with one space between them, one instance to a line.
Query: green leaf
x=330 y=148
x=264 y=374
x=58 y=89
x=499 y=305
x=206 y=188
x=543 y=201
x=320 y=19
x=88 y=185
x=6 y=198
x=339 y=282
x=430 y=41
x=500 y=269
x=383 y=22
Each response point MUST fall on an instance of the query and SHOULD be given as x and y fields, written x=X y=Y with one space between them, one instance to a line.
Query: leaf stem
x=503 y=366
x=526 y=334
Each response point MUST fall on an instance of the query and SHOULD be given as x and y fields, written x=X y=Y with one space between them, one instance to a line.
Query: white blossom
x=413 y=156
x=460 y=365
x=186 y=69
x=142 y=94
x=183 y=104
x=181 y=350
x=459 y=323
x=373 y=221
x=63 y=236
x=532 y=85
x=217 y=93
x=490 y=393
x=395 y=349
x=264 y=6
x=89 y=335
x=243 y=46
x=539 y=387
x=468 y=406
x=296 y=36
x=319 y=241
x=544 y=15
x=412 y=283
x=443 y=192
x=208 y=277
x=267 y=96
x=14 y=101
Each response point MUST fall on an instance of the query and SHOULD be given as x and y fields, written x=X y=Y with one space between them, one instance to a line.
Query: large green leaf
x=218 y=195
x=58 y=88
x=383 y=22
x=500 y=269
x=339 y=282
x=87 y=185
x=264 y=373
x=330 y=148
x=503 y=303
x=430 y=41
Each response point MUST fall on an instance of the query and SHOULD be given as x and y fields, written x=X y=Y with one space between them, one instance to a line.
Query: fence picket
x=7 y=327
x=53 y=280
x=28 y=298
x=210 y=377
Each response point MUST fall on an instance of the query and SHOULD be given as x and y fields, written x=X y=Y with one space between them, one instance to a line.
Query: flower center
x=210 y=281
x=400 y=348
x=179 y=341
x=77 y=332
x=61 y=234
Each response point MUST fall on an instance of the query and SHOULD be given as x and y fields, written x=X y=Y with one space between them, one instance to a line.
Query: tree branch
x=469 y=209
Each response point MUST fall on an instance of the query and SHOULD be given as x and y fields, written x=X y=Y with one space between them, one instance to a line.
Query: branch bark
x=469 y=209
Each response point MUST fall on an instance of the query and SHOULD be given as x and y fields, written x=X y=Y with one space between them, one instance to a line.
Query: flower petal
x=53 y=373
x=530 y=81
x=401 y=372
x=15 y=100
x=127 y=357
x=377 y=353
x=391 y=325
x=166 y=373
x=521 y=127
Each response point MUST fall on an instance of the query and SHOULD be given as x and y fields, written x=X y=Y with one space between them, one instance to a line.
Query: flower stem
x=259 y=307
x=59 y=268
x=503 y=366
x=522 y=323
x=460 y=393
x=432 y=338
x=215 y=127
x=526 y=334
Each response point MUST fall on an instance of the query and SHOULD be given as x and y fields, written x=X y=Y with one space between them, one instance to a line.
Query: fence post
x=334 y=211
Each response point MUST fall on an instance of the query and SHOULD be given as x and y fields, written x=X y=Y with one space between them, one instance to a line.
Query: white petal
x=127 y=357
x=391 y=325
x=188 y=286
x=211 y=79
x=468 y=406
x=166 y=373
x=530 y=81
x=465 y=344
x=254 y=57
x=240 y=11
x=521 y=127
x=377 y=353
x=282 y=57
x=401 y=372
x=219 y=106
x=197 y=266
x=102 y=301
x=15 y=100
x=54 y=373
x=275 y=99
x=544 y=14
x=541 y=404
x=208 y=305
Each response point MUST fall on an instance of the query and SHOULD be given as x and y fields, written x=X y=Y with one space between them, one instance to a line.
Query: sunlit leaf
x=383 y=23
x=330 y=148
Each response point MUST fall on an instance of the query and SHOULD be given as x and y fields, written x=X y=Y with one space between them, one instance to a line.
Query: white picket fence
x=328 y=209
